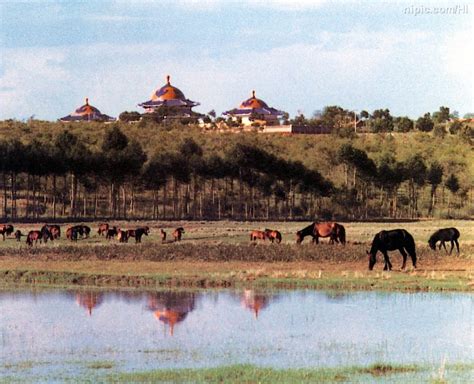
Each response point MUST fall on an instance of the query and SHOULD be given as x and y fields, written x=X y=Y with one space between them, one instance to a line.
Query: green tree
x=425 y=123
x=403 y=124
x=434 y=177
x=381 y=121
x=442 y=115
x=452 y=183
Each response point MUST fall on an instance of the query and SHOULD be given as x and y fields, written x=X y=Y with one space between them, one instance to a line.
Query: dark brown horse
x=335 y=231
x=18 y=235
x=54 y=229
x=442 y=235
x=257 y=235
x=163 y=235
x=273 y=235
x=139 y=232
x=6 y=230
x=177 y=233
x=122 y=236
x=72 y=233
x=389 y=241
x=111 y=233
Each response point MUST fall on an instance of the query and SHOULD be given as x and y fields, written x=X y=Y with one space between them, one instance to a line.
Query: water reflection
x=171 y=308
x=255 y=301
x=89 y=300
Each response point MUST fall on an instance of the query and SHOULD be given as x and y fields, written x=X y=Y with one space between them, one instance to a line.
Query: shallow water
x=65 y=332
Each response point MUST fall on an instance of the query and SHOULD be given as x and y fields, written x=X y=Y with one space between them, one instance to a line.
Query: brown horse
x=55 y=230
x=163 y=235
x=18 y=235
x=33 y=236
x=6 y=230
x=336 y=232
x=177 y=233
x=257 y=235
x=139 y=232
x=273 y=235
x=72 y=233
x=111 y=232
x=122 y=236
x=103 y=228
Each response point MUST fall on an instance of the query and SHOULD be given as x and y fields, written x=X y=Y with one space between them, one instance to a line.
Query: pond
x=66 y=332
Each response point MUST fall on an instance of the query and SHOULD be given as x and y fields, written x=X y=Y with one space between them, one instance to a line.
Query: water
x=67 y=331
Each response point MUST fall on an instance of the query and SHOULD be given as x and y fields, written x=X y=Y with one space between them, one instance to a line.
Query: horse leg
x=452 y=246
x=388 y=264
x=457 y=245
x=444 y=246
x=404 y=254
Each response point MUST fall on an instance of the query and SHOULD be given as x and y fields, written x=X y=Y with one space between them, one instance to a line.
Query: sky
x=299 y=56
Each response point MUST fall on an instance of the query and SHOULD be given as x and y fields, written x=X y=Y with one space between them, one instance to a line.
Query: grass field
x=220 y=254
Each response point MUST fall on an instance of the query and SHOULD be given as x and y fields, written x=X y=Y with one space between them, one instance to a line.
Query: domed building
x=255 y=110
x=172 y=100
x=86 y=112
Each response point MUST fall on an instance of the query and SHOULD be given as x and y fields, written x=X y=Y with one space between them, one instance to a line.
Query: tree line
x=67 y=178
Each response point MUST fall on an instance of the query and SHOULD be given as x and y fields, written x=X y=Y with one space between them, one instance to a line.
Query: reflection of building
x=89 y=300
x=86 y=113
x=254 y=301
x=256 y=111
x=171 y=100
x=171 y=308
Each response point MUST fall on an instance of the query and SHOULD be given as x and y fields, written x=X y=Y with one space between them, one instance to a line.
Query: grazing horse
x=389 y=241
x=177 y=233
x=336 y=232
x=54 y=230
x=163 y=235
x=18 y=235
x=33 y=236
x=6 y=230
x=273 y=235
x=85 y=231
x=257 y=235
x=442 y=235
x=111 y=233
x=103 y=228
x=139 y=232
x=72 y=233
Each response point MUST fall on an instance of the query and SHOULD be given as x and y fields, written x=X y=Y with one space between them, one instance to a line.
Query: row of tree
x=67 y=178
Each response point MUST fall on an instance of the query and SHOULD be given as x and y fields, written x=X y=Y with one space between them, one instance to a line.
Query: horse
x=122 y=236
x=85 y=231
x=260 y=235
x=54 y=230
x=103 y=228
x=163 y=236
x=72 y=233
x=442 y=235
x=273 y=235
x=33 y=236
x=111 y=232
x=18 y=235
x=177 y=233
x=335 y=231
x=6 y=230
x=139 y=232
x=389 y=241
x=46 y=234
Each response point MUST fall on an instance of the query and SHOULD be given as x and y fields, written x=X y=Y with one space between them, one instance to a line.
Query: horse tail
x=278 y=236
x=342 y=234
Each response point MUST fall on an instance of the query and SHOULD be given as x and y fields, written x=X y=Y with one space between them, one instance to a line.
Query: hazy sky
x=410 y=57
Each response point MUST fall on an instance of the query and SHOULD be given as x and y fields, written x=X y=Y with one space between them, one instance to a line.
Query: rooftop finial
x=253 y=93
x=87 y=101
x=168 y=79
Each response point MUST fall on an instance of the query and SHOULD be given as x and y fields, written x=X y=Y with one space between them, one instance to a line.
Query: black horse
x=389 y=241
x=442 y=235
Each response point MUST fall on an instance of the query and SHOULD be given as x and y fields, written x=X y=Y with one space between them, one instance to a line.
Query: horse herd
x=383 y=241
x=51 y=232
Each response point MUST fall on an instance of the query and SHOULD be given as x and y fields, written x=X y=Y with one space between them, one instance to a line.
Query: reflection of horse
x=273 y=235
x=177 y=233
x=336 y=232
x=103 y=228
x=260 y=235
x=389 y=241
x=442 y=235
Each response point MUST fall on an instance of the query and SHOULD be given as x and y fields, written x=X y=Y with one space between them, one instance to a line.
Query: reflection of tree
x=89 y=300
x=255 y=301
x=171 y=307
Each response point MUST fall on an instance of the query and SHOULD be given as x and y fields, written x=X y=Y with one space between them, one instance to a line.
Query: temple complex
x=86 y=113
x=172 y=100
x=255 y=111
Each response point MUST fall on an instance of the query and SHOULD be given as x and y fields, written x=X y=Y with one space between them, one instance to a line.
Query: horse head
x=432 y=242
x=299 y=237
x=372 y=259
